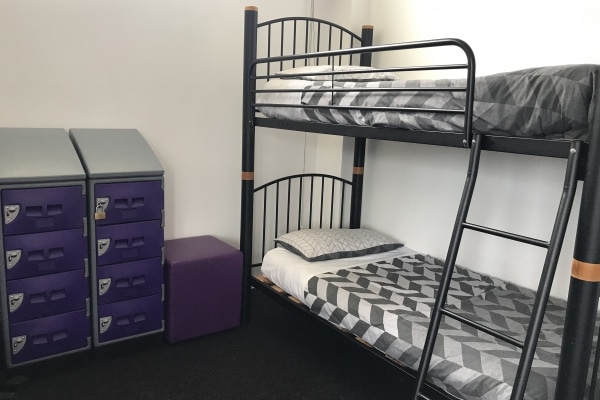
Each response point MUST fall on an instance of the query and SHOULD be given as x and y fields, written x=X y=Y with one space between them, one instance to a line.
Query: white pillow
x=374 y=75
x=328 y=244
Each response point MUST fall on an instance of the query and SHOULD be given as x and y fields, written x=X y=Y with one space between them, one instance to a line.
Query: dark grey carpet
x=278 y=355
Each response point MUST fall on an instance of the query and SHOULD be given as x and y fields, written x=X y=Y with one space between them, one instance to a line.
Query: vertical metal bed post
x=584 y=289
x=360 y=143
x=247 y=201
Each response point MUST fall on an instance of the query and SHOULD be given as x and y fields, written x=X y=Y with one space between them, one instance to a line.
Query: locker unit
x=126 y=209
x=44 y=274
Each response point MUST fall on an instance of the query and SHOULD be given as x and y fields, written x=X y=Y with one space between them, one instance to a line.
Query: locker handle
x=133 y=281
x=50 y=337
x=34 y=211
x=58 y=294
x=129 y=319
x=139 y=317
x=54 y=295
x=122 y=244
x=122 y=283
x=121 y=203
x=38 y=298
x=35 y=255
x=59 y=335
x=137 y=202
x=40 y=255
x=40 y=339
x=56 y=252
x=54 y=209
x=138 y=280
x=125 y=244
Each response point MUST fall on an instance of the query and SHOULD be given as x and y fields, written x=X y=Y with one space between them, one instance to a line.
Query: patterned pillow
x=327 y=244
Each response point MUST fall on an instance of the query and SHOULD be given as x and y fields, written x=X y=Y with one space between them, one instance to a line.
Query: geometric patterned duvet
x=544 y=103
x=388 y=304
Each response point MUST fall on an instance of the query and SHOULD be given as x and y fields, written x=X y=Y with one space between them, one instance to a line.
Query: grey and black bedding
x=388 y=303
x=545 y=103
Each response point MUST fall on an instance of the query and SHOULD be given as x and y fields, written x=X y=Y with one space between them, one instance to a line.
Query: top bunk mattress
x=543 y=103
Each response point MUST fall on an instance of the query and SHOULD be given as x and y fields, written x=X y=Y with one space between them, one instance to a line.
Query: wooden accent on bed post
x=360 y=144
x=247 y=201
x=582 y=305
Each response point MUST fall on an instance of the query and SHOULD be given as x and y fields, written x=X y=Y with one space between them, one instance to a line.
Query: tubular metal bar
x=276 y=210
x=396 y=69
x=322 y=199
x=360 y=145
x=506 y=235
x=545 y=284
x=483 y=328
x=300 y=205
x=312 y=184
x=264 y=224
x=436 y=315
x=582 y=304
x=248 y=142
x=347 y=90
x=289 y=192
x=331 y=210
x=358 y=108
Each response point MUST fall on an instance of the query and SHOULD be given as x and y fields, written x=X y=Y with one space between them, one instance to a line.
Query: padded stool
x=203 y=285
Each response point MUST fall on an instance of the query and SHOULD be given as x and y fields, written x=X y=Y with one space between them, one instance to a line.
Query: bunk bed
x=457 y=333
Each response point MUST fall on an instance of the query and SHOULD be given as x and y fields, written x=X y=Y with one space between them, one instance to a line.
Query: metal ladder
x=553 y=250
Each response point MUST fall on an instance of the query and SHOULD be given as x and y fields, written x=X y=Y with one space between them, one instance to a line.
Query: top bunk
x=312 y=75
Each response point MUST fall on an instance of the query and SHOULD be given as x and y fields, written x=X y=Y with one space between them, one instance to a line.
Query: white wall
x=170 y=68
x=418 y=187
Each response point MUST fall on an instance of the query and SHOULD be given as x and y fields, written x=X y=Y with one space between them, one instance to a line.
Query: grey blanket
x=388 y=305
x=549 y=102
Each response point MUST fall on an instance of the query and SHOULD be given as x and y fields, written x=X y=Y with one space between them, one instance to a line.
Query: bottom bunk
x=385 y=299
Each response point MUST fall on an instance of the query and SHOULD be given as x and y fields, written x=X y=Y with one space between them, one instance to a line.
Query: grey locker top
x=32 y=155
x=115 y=153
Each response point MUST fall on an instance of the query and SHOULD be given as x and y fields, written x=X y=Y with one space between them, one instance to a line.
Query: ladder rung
x=483 y=328
x=506 y=235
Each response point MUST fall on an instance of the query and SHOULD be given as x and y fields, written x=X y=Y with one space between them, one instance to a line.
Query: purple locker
x=46 y=295
x=128 y=242
x=42 y=209
x=44 y=253
x=129 y=318
x=127 y=281
x=128 y=202
x=49 y=336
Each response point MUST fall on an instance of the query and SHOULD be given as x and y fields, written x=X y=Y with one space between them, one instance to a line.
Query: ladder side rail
x=449 y=265
x=549 y=269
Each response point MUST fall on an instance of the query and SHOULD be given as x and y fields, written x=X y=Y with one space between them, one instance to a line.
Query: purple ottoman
x=203 y=285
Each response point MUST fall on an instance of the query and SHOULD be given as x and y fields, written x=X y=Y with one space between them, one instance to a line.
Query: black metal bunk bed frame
x=585 y=277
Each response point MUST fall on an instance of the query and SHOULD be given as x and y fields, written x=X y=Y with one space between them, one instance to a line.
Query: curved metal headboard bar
x=310 y=19
x=307 y=175
x=310 y=204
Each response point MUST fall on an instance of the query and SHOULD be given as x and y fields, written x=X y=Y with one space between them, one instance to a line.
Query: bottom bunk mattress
x=386 y=300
